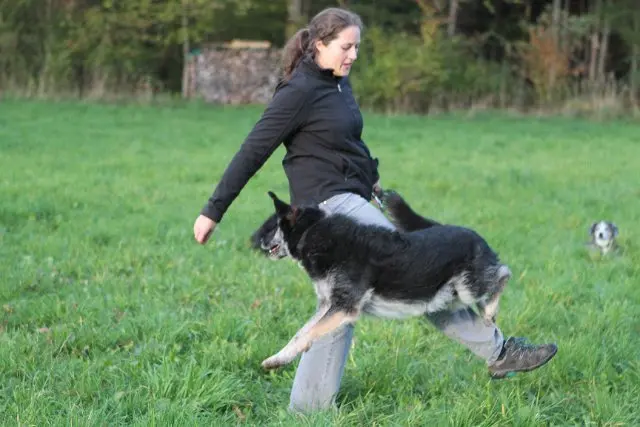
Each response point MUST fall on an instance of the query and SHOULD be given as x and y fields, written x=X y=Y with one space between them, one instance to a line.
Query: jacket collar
x=309 y=65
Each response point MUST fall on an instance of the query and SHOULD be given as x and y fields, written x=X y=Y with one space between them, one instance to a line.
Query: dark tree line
x=451 y=52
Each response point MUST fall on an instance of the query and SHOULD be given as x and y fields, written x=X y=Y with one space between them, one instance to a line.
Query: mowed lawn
x=111 y=314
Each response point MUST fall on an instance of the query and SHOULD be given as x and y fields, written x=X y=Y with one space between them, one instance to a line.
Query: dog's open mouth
x=273 y=250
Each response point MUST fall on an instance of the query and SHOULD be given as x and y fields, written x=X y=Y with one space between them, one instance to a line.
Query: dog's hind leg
x=326 y=320
x=489 y=308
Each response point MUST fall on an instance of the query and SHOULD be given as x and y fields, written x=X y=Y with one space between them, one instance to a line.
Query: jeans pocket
x=344 y=204
x=336 y=203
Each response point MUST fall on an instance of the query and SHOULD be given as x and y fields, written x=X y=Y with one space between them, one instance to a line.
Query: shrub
x=405 y=73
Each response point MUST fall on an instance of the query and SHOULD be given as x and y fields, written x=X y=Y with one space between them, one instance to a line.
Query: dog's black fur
x=422 y=267
x=403 y=217
x=264 y=233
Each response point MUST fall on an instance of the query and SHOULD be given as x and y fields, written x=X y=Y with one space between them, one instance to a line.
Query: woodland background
x=417 y=56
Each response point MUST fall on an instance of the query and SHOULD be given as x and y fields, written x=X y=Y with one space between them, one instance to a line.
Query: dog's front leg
x=288 y=352
x=323 y=322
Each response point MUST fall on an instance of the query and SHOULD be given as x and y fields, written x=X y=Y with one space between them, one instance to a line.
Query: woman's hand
x=202 y=229
x=377 y=189
x=377 y=194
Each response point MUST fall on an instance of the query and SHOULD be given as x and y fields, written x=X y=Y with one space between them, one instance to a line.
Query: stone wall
x=236 y=73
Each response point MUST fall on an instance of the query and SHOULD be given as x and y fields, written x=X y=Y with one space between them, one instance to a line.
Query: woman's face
x=341 y=52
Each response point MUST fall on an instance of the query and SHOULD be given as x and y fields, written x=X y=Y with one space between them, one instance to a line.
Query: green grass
x=111 y=314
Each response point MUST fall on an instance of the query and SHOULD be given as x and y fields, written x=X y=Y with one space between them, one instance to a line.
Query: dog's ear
x=285 y=210
x=592 y=228
x=614 y=228
x=282 y=208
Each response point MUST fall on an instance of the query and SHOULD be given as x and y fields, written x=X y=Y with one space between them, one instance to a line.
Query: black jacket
x=316 y=117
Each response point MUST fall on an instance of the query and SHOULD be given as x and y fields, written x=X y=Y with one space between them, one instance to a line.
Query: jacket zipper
x=346 y=174
x=344 y=161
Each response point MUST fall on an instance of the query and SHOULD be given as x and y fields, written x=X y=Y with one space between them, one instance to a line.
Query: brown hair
x=325 y=26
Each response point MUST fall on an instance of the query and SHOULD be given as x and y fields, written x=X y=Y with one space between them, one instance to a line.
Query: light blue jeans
x=319 y=373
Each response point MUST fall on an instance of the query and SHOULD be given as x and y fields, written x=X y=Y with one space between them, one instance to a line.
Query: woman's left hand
x=377 y=188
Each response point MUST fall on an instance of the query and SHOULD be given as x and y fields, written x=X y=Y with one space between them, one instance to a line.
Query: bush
x=396 y=71
x=404 y=73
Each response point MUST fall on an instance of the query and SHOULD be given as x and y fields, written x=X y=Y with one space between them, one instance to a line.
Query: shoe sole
x=498 y=375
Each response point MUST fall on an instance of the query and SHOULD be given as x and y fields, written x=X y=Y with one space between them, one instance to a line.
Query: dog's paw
x=278 y=360
x=489 y=320
x=273 y=362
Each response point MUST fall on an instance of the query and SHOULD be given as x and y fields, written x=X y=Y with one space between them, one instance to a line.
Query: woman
x=313 y=112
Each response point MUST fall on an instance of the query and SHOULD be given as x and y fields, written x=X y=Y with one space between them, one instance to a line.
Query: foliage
x=75 y=45
x=389 y=15
x=550 y=56
x=544 y=62
x=504 y=53
x=398 y=72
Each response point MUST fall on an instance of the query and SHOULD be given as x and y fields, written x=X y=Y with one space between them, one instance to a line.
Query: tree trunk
x=564 y=25
x=295 y=17
x=635 y=52
x=555 y=33
x=453 y=17
x=635 y=60
x=185 y=49
x=44 y=74
x=593 y=59
x=604 y=45
x=555 y=17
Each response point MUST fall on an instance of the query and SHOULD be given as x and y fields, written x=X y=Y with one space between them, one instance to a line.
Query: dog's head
x=603 y=233
x=264 y=239
x=291 y=224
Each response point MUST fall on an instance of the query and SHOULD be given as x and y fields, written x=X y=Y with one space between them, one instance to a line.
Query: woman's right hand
x=202 y=229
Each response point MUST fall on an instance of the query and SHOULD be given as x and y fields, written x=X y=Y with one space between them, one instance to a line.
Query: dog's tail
x=403 y=217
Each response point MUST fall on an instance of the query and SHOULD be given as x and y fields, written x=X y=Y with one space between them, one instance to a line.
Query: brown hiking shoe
x=518 y=356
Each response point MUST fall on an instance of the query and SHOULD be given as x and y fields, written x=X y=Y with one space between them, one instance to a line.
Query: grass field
x=111 y=313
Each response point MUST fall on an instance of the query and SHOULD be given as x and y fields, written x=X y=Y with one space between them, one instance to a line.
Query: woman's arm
x=282 y=117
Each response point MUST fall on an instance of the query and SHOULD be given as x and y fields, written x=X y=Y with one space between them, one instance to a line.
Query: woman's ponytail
x=294 y=50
